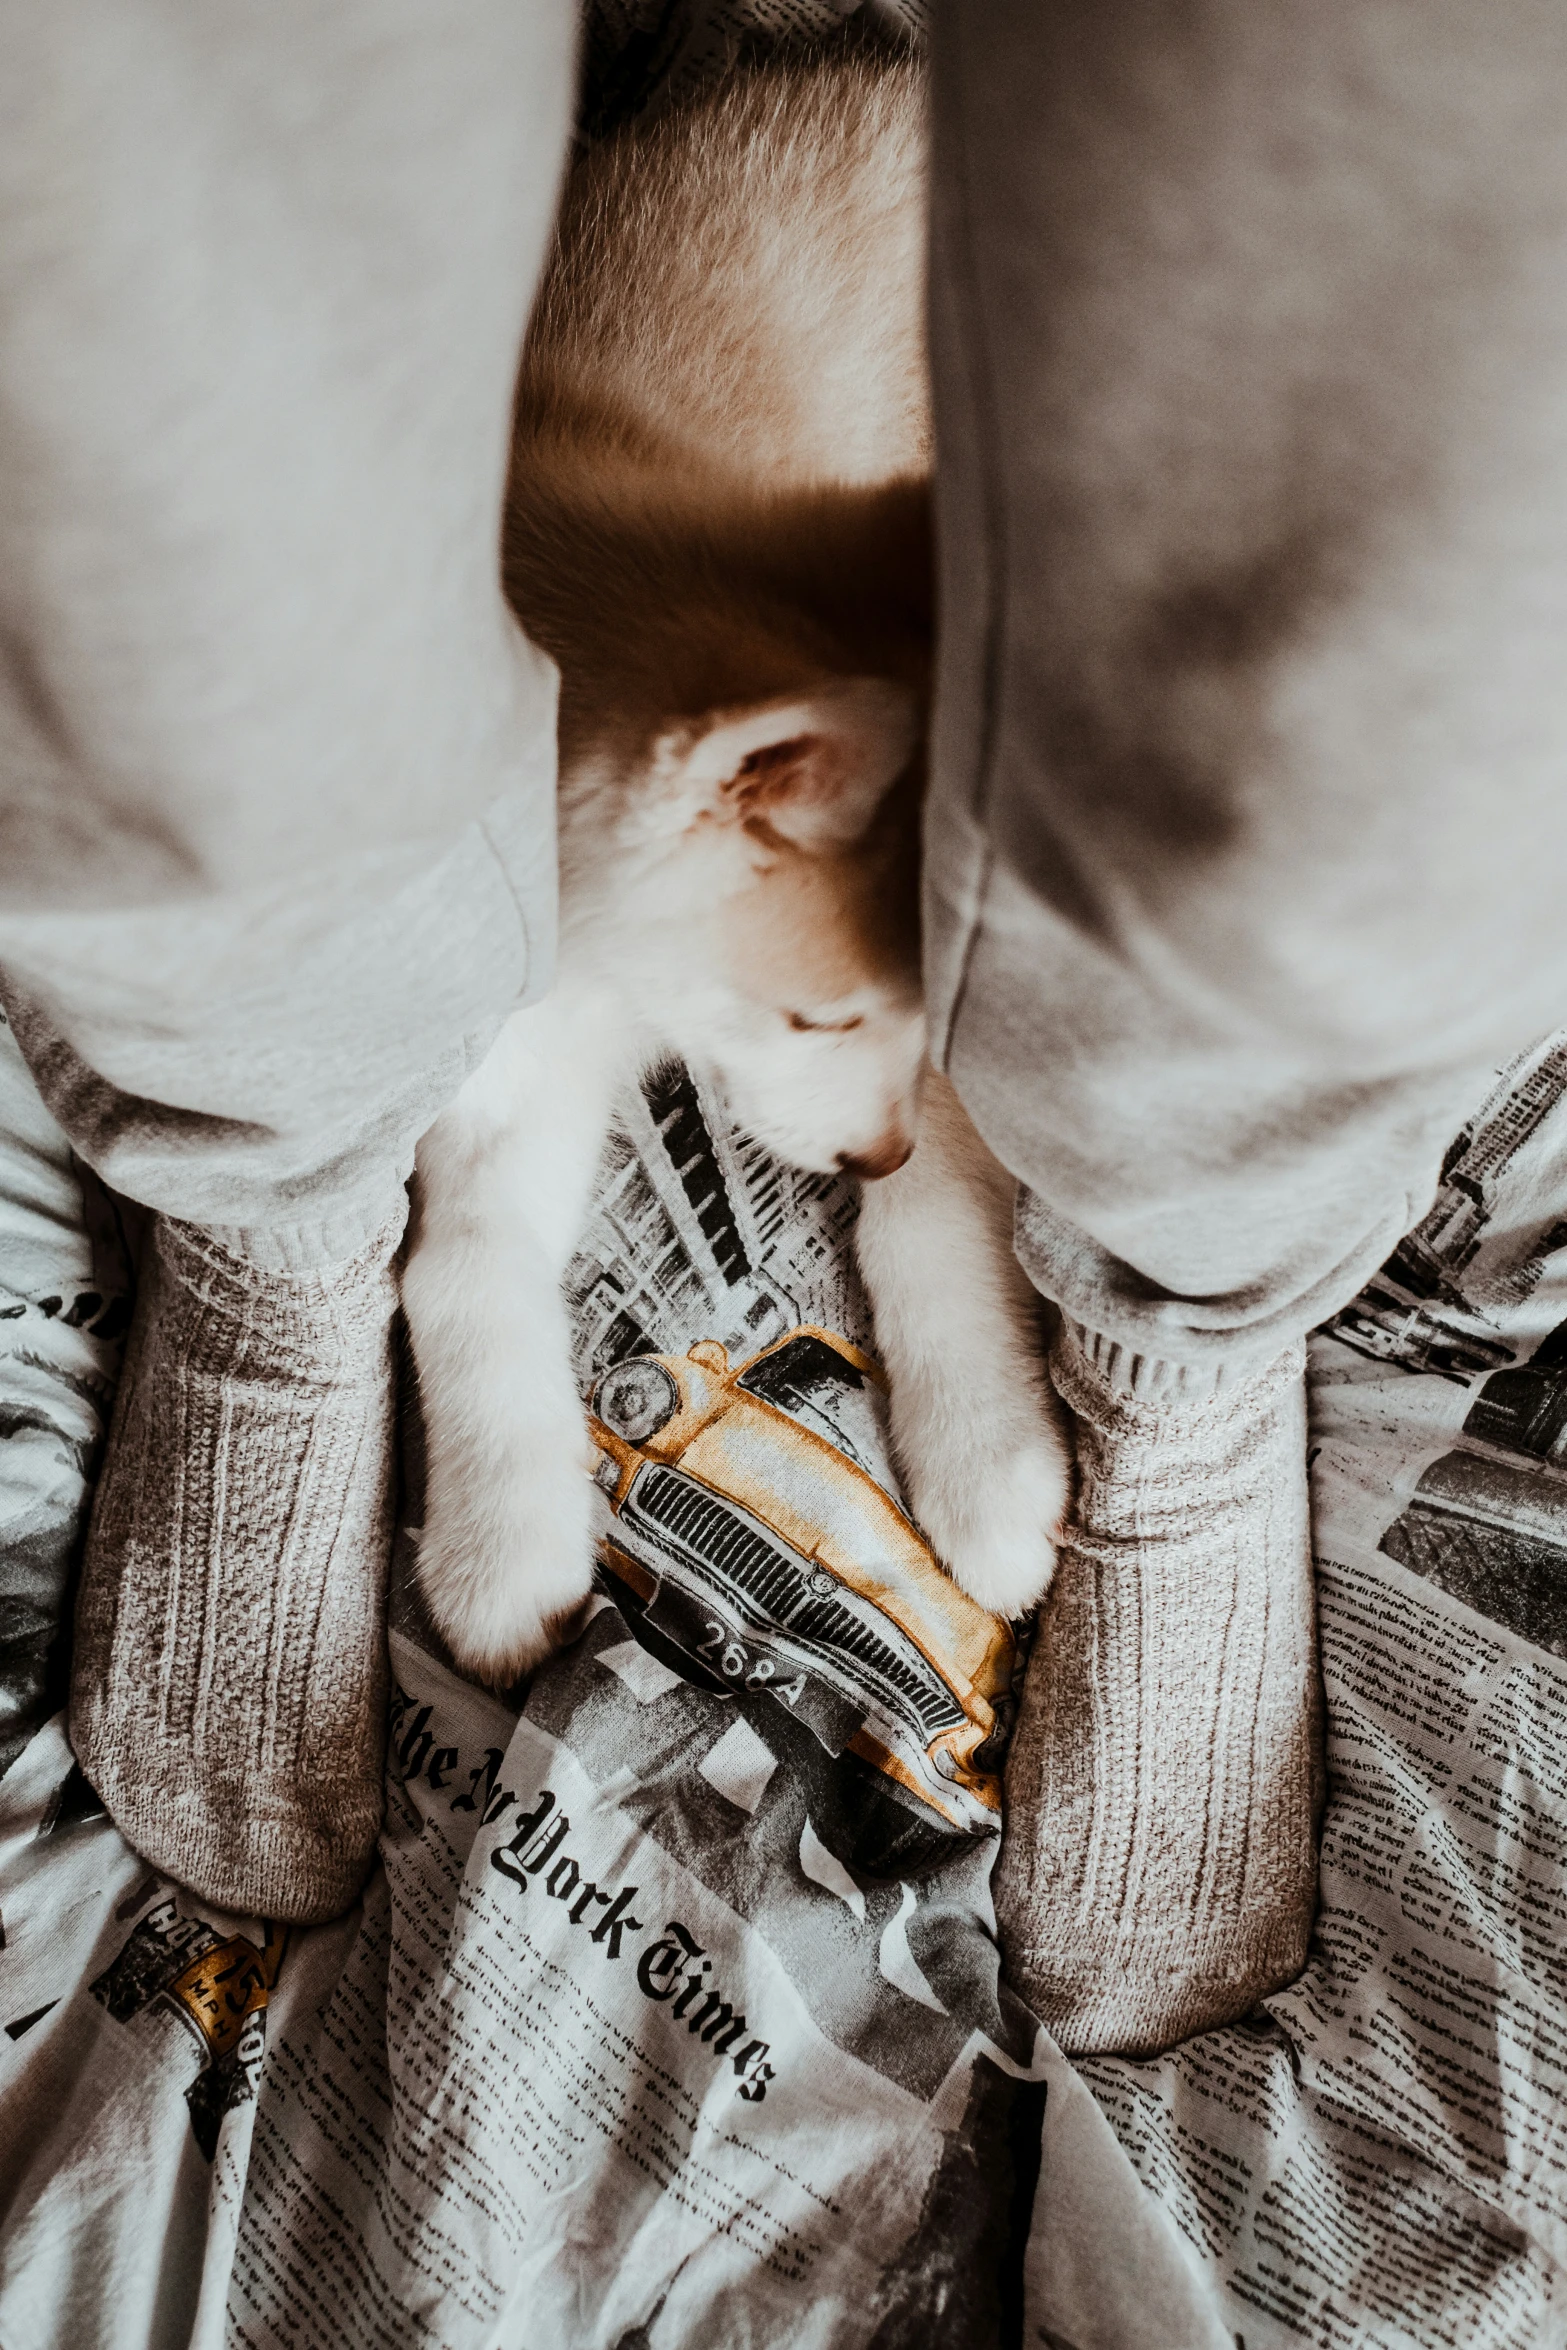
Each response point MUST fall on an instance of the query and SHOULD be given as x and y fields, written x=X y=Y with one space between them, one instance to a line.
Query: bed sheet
x=672 y=2013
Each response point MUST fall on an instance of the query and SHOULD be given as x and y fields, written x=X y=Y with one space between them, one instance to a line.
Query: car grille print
x=752 y=1526
x=806 y=1601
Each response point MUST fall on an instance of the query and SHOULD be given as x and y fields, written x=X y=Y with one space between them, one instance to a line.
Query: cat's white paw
x=506 y=1555
x=993 y=1511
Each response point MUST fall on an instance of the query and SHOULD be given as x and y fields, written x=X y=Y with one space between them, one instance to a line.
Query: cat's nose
x=885 y=1158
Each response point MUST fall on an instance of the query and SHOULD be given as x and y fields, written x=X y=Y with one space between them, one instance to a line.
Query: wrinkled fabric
x=276 y=767
x=1246 y=836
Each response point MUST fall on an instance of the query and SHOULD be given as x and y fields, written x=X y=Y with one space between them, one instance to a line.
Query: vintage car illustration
x=751 y=1511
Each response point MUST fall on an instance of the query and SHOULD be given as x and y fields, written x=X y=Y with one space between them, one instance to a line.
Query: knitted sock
x=1158 y=1869
x=229 y=1686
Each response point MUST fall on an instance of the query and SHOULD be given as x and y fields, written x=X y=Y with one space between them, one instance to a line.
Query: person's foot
x=1158 y=1867
x=229 y=1684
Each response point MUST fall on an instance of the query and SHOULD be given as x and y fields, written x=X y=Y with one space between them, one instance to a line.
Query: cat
x=718 y=527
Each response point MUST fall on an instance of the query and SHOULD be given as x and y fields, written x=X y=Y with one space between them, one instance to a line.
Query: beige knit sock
x=229 y=1685
x=1158 y=1868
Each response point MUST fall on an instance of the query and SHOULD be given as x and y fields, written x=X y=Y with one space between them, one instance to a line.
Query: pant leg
x=1248 y=821
x=267 y=1060
x=276 y=768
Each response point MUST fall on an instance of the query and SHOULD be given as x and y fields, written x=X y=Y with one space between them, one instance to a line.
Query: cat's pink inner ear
x=812 y=767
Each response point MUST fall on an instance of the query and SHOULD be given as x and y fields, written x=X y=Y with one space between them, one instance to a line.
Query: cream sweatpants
x=1248 y=830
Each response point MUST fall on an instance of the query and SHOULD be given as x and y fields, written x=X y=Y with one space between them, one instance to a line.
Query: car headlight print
x=636 y=1399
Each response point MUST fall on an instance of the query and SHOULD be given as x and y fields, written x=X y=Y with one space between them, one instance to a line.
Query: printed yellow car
x=751 y=1510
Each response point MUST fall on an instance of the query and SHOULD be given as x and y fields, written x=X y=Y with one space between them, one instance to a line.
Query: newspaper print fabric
x=1380 y=2158
x=636 y=54
x=718 y=1998
x=673 y=2018
x=673 y=2015
x=64 y=1306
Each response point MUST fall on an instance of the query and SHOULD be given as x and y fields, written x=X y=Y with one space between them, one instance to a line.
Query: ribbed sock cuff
x=1126 y=1372
x=319 y=1244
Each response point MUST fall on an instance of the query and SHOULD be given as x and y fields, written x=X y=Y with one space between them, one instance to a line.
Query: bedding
x=672 y=2014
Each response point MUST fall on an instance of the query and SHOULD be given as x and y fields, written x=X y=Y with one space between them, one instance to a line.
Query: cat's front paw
x=506 y=1557
x=993 y=1510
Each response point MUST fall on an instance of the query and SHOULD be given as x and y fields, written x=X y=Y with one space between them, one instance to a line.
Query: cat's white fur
x=716 y=527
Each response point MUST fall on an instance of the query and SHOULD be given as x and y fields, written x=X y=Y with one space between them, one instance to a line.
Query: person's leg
x=1247 y=830
x=276 y=810
x=229 y=1683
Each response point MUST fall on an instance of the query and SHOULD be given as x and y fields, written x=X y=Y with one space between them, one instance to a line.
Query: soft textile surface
x=64 y=1281
x=671 y=2014
x=516 y=2096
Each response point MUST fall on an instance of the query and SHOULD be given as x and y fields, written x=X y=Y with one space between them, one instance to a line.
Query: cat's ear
x=813 y=767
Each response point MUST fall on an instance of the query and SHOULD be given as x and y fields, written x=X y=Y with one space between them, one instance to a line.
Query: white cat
x=717 y=525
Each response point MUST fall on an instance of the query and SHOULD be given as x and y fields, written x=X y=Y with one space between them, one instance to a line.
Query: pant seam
x=963 y=290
